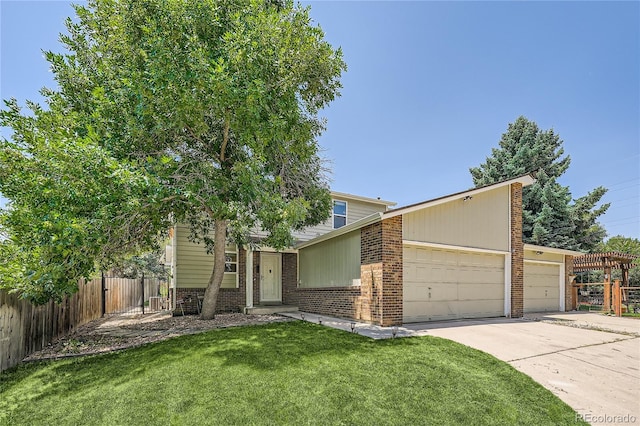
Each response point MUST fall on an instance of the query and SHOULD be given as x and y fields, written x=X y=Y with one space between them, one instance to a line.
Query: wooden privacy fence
x=26 y=328
x=134 y=295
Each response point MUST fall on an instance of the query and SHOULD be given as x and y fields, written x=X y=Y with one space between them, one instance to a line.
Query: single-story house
x=457 y=256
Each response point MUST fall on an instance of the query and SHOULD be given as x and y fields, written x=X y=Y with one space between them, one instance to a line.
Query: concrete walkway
x=596 y=372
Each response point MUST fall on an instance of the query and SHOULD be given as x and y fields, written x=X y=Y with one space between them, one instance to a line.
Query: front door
x=270 y=277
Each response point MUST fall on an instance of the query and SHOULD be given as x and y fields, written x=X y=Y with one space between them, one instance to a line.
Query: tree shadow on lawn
x=303 y=358
x=265 y=347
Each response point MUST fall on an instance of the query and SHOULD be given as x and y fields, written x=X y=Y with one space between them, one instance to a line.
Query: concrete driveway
x=596 y=372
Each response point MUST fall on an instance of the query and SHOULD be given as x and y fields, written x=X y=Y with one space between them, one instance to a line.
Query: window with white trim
x=339 y=214
x=230 y=279
x=230 y=262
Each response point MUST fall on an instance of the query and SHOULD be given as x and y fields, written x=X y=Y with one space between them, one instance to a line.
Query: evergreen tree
x=550 y=218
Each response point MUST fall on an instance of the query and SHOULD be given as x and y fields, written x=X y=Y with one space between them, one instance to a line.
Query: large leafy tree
x=213 y=103
x=73 y=207
x=550 y=216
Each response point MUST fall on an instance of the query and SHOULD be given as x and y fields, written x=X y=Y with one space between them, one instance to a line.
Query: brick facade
x=381 y=273
x=568 y=291
x=517 y=252
x=392 y=264
x=369 y=304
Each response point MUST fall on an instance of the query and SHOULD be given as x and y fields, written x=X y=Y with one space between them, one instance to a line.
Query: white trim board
x=546 y=262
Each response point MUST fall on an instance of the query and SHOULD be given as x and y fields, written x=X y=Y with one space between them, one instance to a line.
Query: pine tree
x=550 y=218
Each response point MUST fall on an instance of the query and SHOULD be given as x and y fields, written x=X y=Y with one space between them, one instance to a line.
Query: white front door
x=270 y=277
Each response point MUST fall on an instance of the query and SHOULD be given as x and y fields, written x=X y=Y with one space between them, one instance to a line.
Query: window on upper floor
x=339 y=214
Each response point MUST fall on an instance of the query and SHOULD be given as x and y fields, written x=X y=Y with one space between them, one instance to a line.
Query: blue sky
x=431 y=86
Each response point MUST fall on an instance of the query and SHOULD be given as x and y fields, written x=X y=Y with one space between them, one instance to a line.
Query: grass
x=282 y=373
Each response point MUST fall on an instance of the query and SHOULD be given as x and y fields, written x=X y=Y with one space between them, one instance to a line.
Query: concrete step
x=270 y=309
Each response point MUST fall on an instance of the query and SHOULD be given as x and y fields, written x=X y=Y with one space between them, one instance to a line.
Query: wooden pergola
x=607 y=262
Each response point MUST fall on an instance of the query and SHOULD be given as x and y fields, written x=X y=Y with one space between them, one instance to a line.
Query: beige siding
x=481 y=222
x=541 y=287
x=444 y=284
x=332 y=263
x=356 y=210
x=193 y=264
x=544 y=256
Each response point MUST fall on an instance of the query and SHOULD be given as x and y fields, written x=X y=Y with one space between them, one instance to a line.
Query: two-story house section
x=254 y=277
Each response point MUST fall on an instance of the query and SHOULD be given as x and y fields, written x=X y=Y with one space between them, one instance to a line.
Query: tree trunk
x=215 y=281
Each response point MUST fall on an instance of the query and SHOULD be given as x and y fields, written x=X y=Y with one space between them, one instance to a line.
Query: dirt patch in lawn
x=117 y=332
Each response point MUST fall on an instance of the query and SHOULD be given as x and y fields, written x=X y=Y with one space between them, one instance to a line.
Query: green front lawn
x=283 y=373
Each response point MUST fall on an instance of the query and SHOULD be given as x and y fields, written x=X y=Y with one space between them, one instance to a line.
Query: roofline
x=525 y=180
x=553 y=250
x=367 y=220
x=365 y=199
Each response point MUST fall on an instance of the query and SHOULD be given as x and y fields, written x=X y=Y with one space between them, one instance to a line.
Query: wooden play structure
x=614 y=295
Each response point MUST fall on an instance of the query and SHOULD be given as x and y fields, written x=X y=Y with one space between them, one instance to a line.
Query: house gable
x=481 y=221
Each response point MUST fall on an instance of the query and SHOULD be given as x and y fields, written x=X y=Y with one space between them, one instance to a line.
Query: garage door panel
x=480 y=308
x=415 y=292
x=443 y=257
x=481 y=292
x=540 y=305
x=541 y=287
x=542 y=293
x=480 y=275
x=430 y=293
x=448 y=284
x=430 y=311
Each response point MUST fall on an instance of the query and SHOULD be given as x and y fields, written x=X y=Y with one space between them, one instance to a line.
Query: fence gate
x=134 y=295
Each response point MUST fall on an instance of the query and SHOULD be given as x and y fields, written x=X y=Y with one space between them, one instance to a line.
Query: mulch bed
x=119 y=332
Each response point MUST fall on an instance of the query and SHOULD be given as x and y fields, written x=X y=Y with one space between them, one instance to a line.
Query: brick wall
x=369 y=304
x=568 y=293
x=517 y=252
x=392 y=302
x=381 y=273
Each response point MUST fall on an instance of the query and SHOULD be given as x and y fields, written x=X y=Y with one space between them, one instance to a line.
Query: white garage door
x=541 y=287
x=444 y=284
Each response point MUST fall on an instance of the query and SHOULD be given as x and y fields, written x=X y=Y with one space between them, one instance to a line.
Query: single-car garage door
x=541 y=287
x=442 y=284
